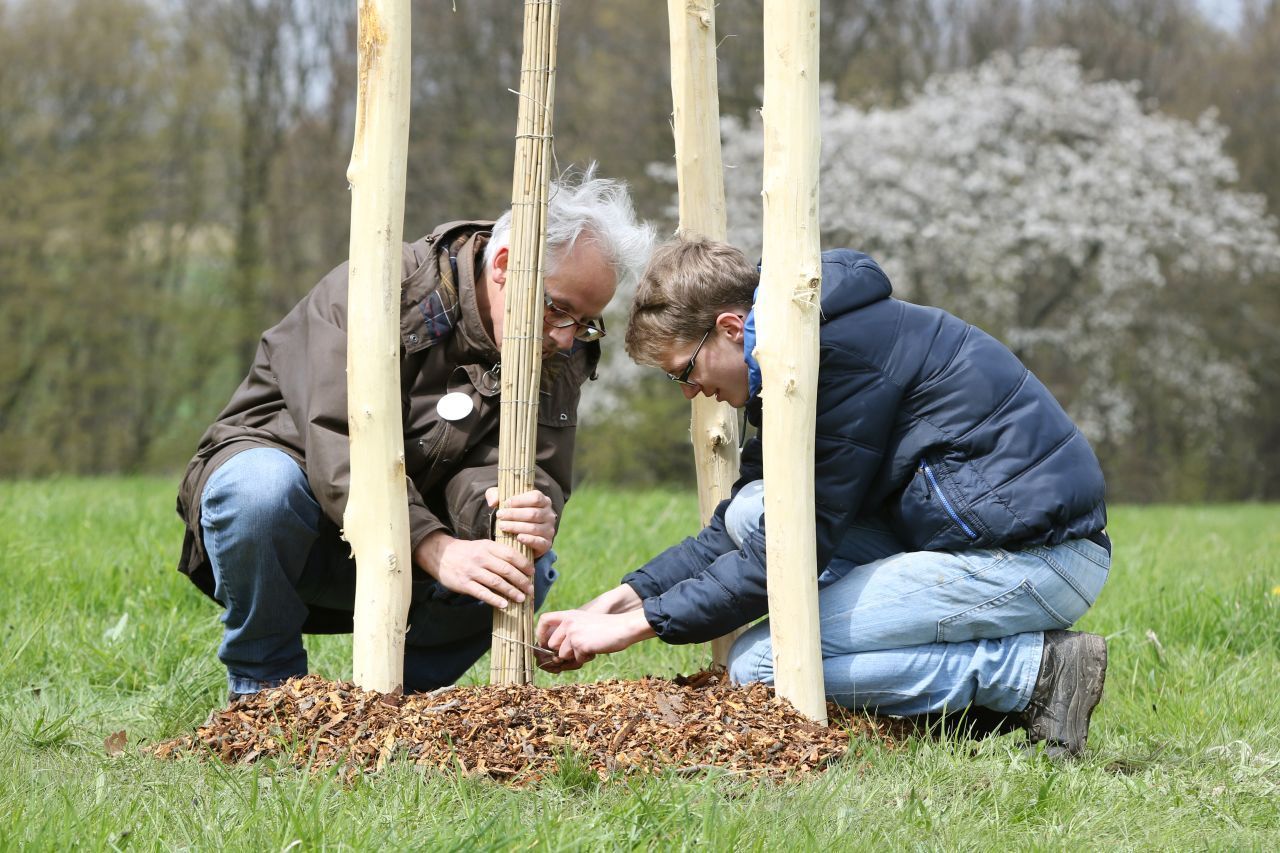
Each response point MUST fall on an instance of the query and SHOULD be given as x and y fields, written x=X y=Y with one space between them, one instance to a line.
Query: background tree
x=172 y=180
x=102 y=165
x=1108 y=244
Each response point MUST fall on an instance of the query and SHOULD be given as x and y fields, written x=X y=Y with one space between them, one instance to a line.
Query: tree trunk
x=700 y=176
x=376 y=521
x=787 y=347
x=511 y=660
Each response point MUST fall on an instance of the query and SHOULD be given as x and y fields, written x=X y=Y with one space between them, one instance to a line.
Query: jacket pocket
x=934 y=489
x=1016 y=611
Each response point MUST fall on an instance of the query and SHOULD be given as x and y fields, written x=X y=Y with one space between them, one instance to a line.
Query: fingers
x=515 y=528
x=547 y=624
x=482 y=593
x=487 y=584
x=562 y=642
x=504 y=579
x=531 y=498
x=540 y=521
x=491 y=496
x=508 y=555
x=529 y=517
x=487 y=571
x=558 y=664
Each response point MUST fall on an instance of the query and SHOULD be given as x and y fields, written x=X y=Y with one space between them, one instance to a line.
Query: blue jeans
x=909 y=633
x=274 y=554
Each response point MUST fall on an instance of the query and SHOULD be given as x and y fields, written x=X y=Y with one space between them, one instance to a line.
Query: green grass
x=98 y=633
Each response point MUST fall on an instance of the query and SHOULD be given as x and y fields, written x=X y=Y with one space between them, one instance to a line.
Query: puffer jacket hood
x=850 y=281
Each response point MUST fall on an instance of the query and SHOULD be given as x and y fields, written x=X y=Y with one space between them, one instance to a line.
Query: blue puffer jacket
x=923 y=420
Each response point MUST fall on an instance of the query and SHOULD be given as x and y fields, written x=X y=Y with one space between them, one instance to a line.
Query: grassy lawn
x=99 y=633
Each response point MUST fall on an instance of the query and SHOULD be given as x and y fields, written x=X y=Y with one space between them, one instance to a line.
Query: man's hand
x=482 y=569
x=528 y=517
x=577 y=636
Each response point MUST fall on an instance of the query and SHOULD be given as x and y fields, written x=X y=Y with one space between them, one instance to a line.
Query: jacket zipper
x=432 y=456
x=930 y=479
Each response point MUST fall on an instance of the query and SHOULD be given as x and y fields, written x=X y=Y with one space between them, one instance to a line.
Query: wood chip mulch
x=518 y=735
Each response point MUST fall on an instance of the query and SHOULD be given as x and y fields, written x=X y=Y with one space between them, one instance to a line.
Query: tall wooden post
x=787 y=344
x=700 y=176
x=376 y=519
x=511 y=660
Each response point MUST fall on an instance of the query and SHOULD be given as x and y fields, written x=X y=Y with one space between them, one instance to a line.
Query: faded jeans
x=274 y=554
x=908 y=633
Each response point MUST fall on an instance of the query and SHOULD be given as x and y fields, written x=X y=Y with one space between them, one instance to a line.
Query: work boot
x=1068 y=688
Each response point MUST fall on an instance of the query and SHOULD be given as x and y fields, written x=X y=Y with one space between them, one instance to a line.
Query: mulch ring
x=518 y=735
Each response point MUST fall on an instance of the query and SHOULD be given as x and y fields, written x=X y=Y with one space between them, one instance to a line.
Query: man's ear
x=732 y=324
x=499 y=271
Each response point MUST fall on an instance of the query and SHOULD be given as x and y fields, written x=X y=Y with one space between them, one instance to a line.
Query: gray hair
x=595 y=209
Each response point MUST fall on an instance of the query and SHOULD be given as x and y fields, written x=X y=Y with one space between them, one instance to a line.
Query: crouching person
x=264 y=497
x=959 y=511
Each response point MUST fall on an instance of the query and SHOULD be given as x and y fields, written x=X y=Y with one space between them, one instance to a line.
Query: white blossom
x=1064 y=216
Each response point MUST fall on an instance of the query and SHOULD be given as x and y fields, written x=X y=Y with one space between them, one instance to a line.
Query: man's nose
x=562 y=338
x=690 y=391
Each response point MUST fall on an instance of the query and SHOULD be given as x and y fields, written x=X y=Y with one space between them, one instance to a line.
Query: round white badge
x=454 y=406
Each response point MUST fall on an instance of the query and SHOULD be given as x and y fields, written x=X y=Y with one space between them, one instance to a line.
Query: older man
x=264 y=496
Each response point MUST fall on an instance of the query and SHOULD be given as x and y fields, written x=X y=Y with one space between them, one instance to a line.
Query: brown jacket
x=295 y=400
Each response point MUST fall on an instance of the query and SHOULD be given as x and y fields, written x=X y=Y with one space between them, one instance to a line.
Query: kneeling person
x=960 y=513
x=264 y=497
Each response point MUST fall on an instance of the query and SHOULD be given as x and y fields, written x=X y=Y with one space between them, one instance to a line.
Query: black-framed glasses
x=683 y=377
x=585 y=330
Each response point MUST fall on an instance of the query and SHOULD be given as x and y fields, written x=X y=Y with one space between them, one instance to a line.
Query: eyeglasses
x=683 y=377
x=556 y=317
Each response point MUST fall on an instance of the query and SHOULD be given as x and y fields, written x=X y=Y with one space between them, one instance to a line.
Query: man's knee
x=742 y=517
x=751 y=656
x=258 y=491
x=544 y=575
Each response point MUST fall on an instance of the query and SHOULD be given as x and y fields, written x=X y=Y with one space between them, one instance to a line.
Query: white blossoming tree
x=1105 y=242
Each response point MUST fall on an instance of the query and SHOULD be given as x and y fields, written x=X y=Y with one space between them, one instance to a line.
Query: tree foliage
x=172 y=180
x=1108 y=244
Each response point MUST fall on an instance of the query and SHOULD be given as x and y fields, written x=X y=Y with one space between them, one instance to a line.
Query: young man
x=264 y=496
x=959 y=512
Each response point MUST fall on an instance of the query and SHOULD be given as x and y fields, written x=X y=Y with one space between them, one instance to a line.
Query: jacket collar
x=471 y=336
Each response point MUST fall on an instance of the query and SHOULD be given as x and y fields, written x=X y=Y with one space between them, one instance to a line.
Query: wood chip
x=518 y=734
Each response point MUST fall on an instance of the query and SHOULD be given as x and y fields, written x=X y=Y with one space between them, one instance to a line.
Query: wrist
x=626 y=600
x=430 y=552
x=638 y=627
x=620 y=599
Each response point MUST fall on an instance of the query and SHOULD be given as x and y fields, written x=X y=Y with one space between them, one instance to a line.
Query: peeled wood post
x=511 y=660
x=787 y=345
x=700 y=178
x=376 y=519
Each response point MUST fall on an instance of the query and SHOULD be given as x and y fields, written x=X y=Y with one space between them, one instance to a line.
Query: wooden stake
x=787 y=345
x=700 y=176
x=376 y=519
x=512 y=661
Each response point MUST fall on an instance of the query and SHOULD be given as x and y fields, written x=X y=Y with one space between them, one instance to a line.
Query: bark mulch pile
x=517 y=735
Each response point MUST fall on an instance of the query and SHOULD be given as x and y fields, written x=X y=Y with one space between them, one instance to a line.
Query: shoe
x=233 y=696
x=1073 y=668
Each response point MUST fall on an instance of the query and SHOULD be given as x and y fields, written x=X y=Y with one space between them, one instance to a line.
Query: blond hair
x=687 y=284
